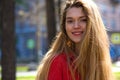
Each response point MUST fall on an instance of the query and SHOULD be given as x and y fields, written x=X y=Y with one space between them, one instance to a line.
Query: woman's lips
x=78 y=33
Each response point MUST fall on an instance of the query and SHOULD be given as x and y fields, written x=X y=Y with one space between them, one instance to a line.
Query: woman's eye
x=84 y=20
x=69 y=21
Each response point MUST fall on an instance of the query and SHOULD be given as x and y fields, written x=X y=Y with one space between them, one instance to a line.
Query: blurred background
x=36 y=24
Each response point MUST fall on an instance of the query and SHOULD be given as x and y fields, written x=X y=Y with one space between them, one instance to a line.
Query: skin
x=76 y=21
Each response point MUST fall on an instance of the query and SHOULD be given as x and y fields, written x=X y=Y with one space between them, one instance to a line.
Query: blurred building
x=25 y=31
x=110 y=10
x=31 y=39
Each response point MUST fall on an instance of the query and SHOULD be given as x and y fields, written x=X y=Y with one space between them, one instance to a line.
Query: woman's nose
x=76 y=24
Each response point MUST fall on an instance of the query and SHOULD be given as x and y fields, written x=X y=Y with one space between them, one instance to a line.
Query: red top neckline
x=59 y=69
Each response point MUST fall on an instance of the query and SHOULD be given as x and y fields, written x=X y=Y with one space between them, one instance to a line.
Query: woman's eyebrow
x=82 y=17
x=69 y=18
x=79 y=17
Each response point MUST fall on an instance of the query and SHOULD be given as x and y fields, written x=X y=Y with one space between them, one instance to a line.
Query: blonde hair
x=93 y=60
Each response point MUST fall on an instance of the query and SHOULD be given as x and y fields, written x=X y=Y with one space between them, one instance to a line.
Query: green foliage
x=19 y=2
x=22 y=68
x=117 y=75
x=25 y=68
x=22 y=3
x=26 y=78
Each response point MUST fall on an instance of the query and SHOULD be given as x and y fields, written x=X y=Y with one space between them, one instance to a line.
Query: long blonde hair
x=93 y=60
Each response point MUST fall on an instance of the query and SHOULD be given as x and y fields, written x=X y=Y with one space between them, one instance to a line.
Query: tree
x=51 y=20
x=0 y=21
x=8 y=40
x=59 y=8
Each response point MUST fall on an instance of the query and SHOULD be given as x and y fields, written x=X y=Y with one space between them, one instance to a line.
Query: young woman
x=81 y=49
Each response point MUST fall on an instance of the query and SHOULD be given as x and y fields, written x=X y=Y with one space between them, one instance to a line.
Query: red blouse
x=59 y=69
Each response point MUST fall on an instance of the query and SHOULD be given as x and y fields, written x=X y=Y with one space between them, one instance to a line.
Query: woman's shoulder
x=58 y=62
x=58 y=66
x=59 y=57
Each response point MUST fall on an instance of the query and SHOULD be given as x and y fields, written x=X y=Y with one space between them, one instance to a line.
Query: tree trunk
x=8 y=40
x=51 y=20
x=59 y=8
x=0 y=22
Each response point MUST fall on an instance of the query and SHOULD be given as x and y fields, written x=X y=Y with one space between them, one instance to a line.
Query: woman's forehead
x=75 y=12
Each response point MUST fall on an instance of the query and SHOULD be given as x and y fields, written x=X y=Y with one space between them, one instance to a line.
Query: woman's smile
x=75 y=24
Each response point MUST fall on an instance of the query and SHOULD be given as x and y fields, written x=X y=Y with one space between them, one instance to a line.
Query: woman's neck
x=77 y=48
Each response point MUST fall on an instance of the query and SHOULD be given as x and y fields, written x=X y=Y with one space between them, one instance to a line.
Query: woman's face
x=76 y=22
